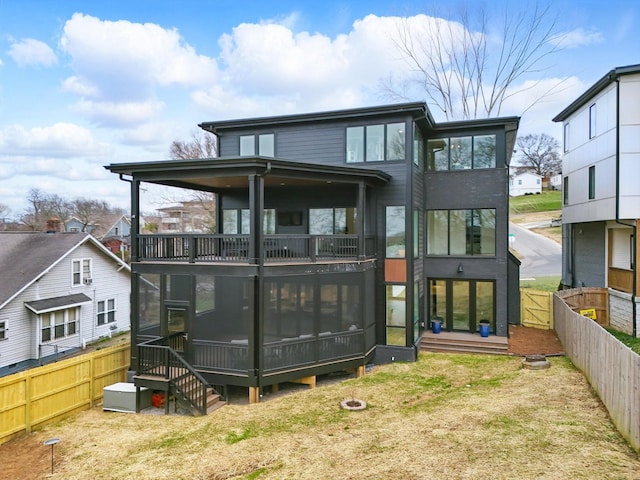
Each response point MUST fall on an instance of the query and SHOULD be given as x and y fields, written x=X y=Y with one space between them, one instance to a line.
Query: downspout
x=634 y=253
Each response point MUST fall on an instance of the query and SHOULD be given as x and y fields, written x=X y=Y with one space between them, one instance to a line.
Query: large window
x=461 y=232
x=462 y=304
x=106 y=311
x=395 y=235
x=81 y=271
x=332 y=221
x=59 y=324
x=263 y=144
x=375 y=143
x=461 y=153
x=396 y=315
x=238 y=221
x=592 y=182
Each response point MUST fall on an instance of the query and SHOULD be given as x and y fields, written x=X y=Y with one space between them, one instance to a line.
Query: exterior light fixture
x=460 y=269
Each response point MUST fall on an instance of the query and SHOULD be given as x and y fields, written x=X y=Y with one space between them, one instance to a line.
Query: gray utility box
x=121 y=397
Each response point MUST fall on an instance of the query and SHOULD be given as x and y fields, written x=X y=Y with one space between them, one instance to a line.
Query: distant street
x=542 y=257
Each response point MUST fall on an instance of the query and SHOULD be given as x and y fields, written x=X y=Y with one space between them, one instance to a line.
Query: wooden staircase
x=463 y=342
x=161 y=367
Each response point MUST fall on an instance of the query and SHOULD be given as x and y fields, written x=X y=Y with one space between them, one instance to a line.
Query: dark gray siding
x=588 y=255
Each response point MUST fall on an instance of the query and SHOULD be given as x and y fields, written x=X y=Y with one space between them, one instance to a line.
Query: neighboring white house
x=59 y=291
x=601 y=192
x=524 y=183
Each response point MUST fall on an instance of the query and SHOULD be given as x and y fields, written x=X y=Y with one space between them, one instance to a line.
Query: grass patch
x=548 y=284
x=546 y=201
x=632 y=342
x=443 y=416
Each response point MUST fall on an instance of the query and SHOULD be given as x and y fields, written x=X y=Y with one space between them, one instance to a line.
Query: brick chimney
x=53 y=225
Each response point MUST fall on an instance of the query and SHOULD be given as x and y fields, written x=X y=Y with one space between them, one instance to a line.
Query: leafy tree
x=542 y=152
x=467 y=69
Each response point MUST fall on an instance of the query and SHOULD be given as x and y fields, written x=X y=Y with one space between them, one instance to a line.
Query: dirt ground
x=528 y=341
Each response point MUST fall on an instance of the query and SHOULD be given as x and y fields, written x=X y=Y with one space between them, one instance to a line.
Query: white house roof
x=27 y=256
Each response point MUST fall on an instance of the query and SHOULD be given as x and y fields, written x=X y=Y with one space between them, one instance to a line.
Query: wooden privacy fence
x=34 y=397
x=612 y=369
x=536 y=308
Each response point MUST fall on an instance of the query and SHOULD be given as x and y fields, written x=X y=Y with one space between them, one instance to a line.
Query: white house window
x=565 y=139
x=59 y=324
x=592 y=121
x=106 y=311
x=264 y=144
x=3 y=330
x=81 y=271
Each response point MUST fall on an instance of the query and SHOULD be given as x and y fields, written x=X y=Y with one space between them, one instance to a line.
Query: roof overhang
x=610 y=77
x=57 y=303
x=215 y=174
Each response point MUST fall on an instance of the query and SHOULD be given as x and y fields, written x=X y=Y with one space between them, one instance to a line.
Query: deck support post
x=254 y=394
x=360 y=371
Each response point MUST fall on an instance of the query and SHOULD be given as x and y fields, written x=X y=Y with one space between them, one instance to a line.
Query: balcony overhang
x=217 y=174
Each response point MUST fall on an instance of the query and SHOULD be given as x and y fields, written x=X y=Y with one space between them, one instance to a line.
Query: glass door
x=177 y=321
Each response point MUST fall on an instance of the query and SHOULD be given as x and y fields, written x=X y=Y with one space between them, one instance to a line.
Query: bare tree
x=467 y=69
x=201 y=145
x=201 y=204
x=542 y=152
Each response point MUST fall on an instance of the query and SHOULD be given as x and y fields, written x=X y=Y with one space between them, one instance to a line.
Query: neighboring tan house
x=59 y=291
x=601 y=192
x=525 y=183
x=343 y=235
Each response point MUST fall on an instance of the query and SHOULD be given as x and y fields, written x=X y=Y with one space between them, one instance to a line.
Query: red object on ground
x=157 y=400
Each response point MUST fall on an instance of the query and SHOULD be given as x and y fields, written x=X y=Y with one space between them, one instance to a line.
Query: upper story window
x=592 y=182
x=263 y=144
x=395 y=232
x=592 y=121
x=238 y=221
x=461 y=153
x=565 y=191
x=81 y=271
x=461 y=232
x=418 y=146
x=3 y=330
x=375 y=143
x=332 y=221
x=565 y=138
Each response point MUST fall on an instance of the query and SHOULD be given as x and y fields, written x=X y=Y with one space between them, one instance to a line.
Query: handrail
x=158 y=358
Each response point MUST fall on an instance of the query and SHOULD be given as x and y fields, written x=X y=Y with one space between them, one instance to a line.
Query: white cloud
x=58 y=140
x=578 y=38
x=118 y=114
x=125 y=61
x=31 y=52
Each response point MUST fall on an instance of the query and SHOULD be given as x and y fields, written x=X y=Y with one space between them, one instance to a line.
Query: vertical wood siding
x=612 y=369
x=40 y=395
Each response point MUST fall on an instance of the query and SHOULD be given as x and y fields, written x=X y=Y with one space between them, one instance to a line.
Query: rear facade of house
x=340 y=236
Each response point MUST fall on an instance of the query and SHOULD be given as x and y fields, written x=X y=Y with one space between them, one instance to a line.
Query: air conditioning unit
x=88 y=281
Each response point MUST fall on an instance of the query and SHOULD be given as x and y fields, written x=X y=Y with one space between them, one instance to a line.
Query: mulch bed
x=531 y=341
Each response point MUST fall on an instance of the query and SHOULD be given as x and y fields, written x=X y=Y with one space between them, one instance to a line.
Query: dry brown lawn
x=443 y=417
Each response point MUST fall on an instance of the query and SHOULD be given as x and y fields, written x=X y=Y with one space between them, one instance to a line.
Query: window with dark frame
x=592 y=182
x=3 y=330
x=592 y=121
x=461 y=232
x=375 y=143
x=461 y=153
x=565 y=190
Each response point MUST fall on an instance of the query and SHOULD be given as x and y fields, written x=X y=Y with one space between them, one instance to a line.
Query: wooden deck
x=463 y=342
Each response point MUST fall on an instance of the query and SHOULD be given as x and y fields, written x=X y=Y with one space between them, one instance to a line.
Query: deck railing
x=193 y=248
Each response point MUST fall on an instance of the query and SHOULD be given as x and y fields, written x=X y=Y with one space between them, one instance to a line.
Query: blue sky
x=88 y=83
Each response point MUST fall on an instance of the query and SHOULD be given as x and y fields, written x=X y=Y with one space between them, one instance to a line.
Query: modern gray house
x=341 y=235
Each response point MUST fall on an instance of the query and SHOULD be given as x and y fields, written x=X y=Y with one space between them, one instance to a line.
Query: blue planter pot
x=485 y=328
x=436 y=326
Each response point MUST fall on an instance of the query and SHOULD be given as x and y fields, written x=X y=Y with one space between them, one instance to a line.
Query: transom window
x=263 y=144
x=59 y=324
x=81 y=271
x=106 y=311
x=375 y=143
x=461 y=232
x=461 y=153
